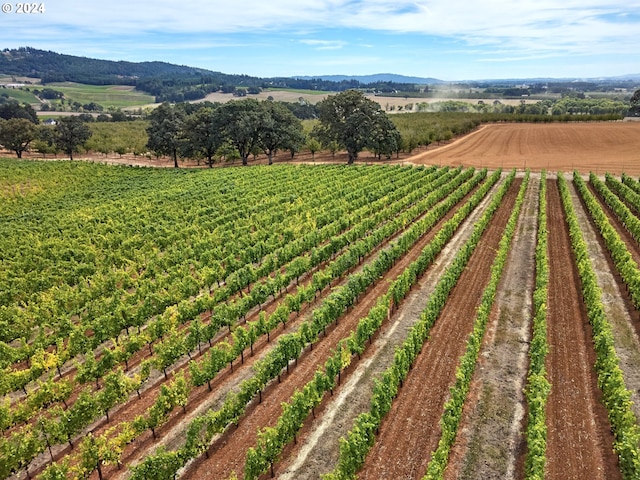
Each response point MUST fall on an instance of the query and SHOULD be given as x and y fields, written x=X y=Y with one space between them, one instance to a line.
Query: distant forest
x=167 y=82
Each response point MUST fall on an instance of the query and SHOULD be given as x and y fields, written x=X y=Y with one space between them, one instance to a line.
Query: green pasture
x=119 y=96
x=20 y=95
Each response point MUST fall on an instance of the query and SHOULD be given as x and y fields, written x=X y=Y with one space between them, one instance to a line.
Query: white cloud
x=441 y=17
x=324 y=44
x=539 y=25
x=497 y=29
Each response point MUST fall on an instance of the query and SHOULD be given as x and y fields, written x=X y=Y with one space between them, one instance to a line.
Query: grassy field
x=20 y=95
x=120 y=96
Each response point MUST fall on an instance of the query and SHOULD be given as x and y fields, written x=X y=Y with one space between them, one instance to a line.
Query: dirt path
x=579 y=443
x=411 y=429
x=317 y=451
x=228 y=454
x=490 y=440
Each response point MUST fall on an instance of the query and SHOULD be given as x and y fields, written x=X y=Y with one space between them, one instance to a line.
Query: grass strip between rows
x=288 y=348
x=622 y=258
x=358 y=442
x=202 y=429
x=624 y=214
x=117 y=386
x=452 y=414
x=272 y=440
x=25 y=444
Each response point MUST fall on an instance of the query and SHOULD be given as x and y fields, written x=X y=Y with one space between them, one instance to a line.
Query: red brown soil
x=227 y=379
x=618 y=306
x=490 y=443
x=317 y=450
x=579 y=442
x=411 y=430
x=599 y=147
x=612 y=147
x=228 y=454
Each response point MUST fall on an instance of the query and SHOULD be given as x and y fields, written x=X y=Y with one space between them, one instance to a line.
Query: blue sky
x=446 y=39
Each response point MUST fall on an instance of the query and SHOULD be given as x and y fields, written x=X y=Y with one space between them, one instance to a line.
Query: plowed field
x=612 y=147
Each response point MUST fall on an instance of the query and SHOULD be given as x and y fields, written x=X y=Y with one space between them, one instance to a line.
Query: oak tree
x=71 y=133
x=350 y=119
x=280 y=130
x=166 y=131
x=16 y=134
x=243 y=120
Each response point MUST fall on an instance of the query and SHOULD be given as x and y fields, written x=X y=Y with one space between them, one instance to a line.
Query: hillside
x=55 y=67
x=169 y=82
x=179 y=83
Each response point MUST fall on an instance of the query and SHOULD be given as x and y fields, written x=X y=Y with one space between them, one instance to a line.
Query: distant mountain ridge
x=55 y=67
x=376 y=78
x=175 y=83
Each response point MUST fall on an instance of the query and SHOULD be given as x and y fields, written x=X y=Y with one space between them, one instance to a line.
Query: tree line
x=347 y=120
x=564 y=106
x=68 y=134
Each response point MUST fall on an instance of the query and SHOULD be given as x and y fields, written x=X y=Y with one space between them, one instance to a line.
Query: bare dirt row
x=317 y=450
x=411 y=430
x=227 y=455
x=490 y=443
x=619 y=309
x=579 y=442
x=199 y=397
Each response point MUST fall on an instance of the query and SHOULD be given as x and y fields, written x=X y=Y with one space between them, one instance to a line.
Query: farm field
x=319 y=320
x=120 y=96
x=292 y=95
x=599 y=147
